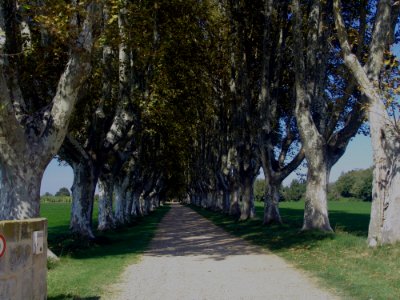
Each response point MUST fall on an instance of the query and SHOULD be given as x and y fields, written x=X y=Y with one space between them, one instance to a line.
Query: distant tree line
x=355 y=185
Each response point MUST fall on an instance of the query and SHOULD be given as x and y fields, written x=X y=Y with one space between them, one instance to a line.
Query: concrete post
x=23 y=264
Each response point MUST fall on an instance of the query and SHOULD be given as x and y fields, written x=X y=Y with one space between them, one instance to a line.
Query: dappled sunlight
x=185 y=233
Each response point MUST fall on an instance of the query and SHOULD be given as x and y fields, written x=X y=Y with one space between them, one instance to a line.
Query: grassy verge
x=341 y=261
x=85 y=270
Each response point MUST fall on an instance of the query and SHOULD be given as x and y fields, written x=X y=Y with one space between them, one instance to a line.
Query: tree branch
x=71 y=80
x=350 y=59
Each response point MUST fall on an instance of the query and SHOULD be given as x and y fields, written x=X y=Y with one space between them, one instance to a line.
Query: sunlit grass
x=341 y=261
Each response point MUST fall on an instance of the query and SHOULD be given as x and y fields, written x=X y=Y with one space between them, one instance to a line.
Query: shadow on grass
x=72 y=297
x=288 y=235
x=353 y=223
x=131 y=239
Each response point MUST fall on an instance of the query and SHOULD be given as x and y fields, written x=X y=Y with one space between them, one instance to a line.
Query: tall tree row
x=152 y=100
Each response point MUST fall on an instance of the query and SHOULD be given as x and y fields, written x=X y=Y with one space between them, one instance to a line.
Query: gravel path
x=191 y=258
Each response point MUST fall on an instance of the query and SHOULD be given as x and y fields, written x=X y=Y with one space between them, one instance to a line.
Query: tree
x=36 y=134
x=356 y=184
x=295 y=191
x=344 y=184
x=96 y=146
x=328 y=106
x=384 y=224
x=259 y=190
x=278 y=138
x=63 y=192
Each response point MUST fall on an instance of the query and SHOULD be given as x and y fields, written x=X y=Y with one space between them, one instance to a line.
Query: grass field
x=341 y=261
x=85 y=270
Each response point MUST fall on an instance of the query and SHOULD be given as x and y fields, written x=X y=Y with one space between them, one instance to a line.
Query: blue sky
x=56 y=177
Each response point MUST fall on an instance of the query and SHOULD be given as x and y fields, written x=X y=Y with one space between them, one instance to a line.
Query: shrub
x=55 y=199
x=259 y=190
x=63 y=192
x=354 y=184
x=295 y=191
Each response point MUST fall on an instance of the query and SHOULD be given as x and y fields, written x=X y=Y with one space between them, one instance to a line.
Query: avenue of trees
x=156 y=99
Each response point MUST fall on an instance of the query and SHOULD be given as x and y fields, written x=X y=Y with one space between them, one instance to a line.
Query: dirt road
x=191 y=258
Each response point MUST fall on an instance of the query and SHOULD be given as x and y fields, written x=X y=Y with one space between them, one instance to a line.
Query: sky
x=56 y=177
x=357 y=156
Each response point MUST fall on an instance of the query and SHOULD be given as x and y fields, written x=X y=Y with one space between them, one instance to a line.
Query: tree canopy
x=161 y=99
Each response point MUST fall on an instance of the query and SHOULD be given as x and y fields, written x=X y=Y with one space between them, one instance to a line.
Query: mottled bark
x=234 y=209
x=226 y=201
x=129 y=204
x=271 y=203
x=219 y=200
x=106 y=216
x=135 y=204
x=224 y=190
x=384 y=227
x=309 y=88
x=120 y=190
x=316 y=202
x=275 y=171
x=247 y=208
x=19 y=190
x=143 y=205
x=83 y=189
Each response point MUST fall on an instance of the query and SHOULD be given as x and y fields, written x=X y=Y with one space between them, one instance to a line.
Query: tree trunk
x=384 y=227
x=19 y=191
x=129 y=204
x=140 y=207
x=83 y=189
x=219 y=204
x=143 y=205
x=309 y=85
x=234 y=209
x=226 y=201
x=136 y=209
x=106 y=217
x=247 y=209
x=120 y=202
x=146 y=206
x=224 y=192
x=316 y=202
x=271 y=203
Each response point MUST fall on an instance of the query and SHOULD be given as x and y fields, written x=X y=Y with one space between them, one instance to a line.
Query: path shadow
x=186 y=233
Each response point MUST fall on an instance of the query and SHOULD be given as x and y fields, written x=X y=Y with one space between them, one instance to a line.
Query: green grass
x=86 y=269
x=341 y=261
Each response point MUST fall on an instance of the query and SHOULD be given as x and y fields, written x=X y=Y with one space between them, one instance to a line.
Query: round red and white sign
x=2 y=245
